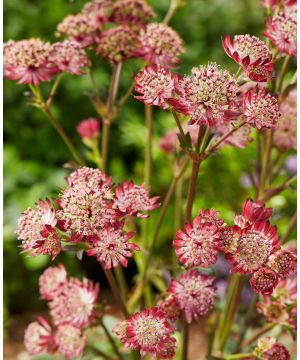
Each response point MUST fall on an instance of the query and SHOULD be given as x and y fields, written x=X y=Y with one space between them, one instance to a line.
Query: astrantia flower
x=48 y=244
x=264 y=281
x=75 y=303
x=209 y=95
x=149 y=332
x=276 y=352
x=82 y=28
x=118 y=44
x=229 y=236
x=252 y=54
x=194 y=293
x=286 y=291
x=283 y=262
x=156 y=86
x=70 y=341
x=211 y=216
x=260 y=109
x=27 y=61
x=111 y=246
x=52 y=281
x=281 y=29
x=285 y=136
x=88 y=128
x=160 y=45
x=38 y=337
x=255 y=244
x=68 y=56
x=132 y=12
x=87 y=201
x=197 y=244
x=274 y=311
x=131 y=199
x=255 y=211
x=99 y=10
x=170 y=308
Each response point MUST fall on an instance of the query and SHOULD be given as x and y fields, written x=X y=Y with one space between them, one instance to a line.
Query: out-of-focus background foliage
x=34 y=154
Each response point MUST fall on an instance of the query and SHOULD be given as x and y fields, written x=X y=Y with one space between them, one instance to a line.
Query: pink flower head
x=87 y=202
x=38 y=337
x=264 y=281
x=74 y=305
x=111 y=246
x=209 y=95
x=260 y=109
x=170 y=308
x=27 y=61
x=281 y=29
x=229 y=236
x=118 y=44
x=252 y=54
x=255 y=244
x=286 y=291
x=71 y=343
x=255 y=211
x=211 y=216
x=131 y=199
x=68 y=56
x=283 y=262
x=276 y=352
x=156 y=86
x=285 y=136
x=88 y=128
x=99 y=10
x=82 y=28
x=274 y=311
x=132 y=12
x=160 y=45
x=52 y=281
x=149 y=332
x=48 y=244
x=194 y=293
x=197 y=244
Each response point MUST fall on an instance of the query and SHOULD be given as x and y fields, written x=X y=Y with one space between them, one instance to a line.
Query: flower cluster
x=33 y=61
x=252 y=54
x=89 y=209
x=149 y=332
x=72 y=308
x=268 y=348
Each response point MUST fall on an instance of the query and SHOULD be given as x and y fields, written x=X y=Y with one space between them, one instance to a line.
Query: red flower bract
x=264 y=281
x=156 y=85
x=255 y=211
x=88 y=128
x=194 y=293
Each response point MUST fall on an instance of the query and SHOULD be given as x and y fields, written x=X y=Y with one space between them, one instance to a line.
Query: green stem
x=148 y=150
x=110 y=338
x=240 y=356
x=53 y=91
x=172 y=8
x=185 y=345
x=265 y=164
x=178 y=123
x=104 y=143
x=192 y=190
x=120 y=276
x=257 y=335
x=282 y=74
x=289 y=228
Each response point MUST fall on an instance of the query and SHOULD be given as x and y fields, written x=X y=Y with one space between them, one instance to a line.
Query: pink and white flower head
x=75 y=303
x=285 y=136
x=283 y=262
x=197 y=244
x=274 y=311
x=149 y=332
x=131 y=199
x=286 y=291
x=255 y=244
x=99 y=10
x=281 y=29
x=111 y=246
x=82 y=28
x=49 y=243
x=260 y=109
x=252 y=54
x=132 y=12
x=118 y=44
x=256 y=211
x=70 y=341
x=27 y=61
x=264 y=281
x=209 y=95
x=276 y=352
x=38 y=337
x=229 y=236
x=194 y=293
x=68 y=56
x=170 y=308
x=211 y=216
x=88 y=128
x=160 y=45
x=32 y=225
x=52 y=281
x=156 y=85
x=87 y=201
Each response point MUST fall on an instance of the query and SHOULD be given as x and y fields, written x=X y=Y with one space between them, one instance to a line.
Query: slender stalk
x=125 y=97
x=178 y=123
x=110 y=338
x=265 y=165
x=120 y=276
x=115 y=290
x=148 y=150
x=289 y=228
x=53 y=91
x=202 y=142
x=192 y=190
x=172 y=8
x=185 y=345
x=282 y=74
x=275 y=191
x=104 y=143
x=257 y=335
x=240 y=356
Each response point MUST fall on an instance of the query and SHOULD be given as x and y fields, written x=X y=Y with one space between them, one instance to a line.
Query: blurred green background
x=34 y=154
